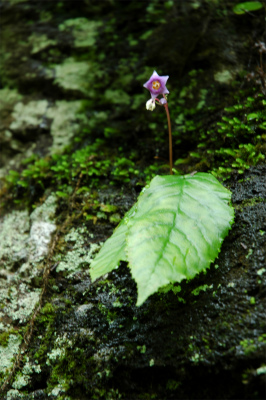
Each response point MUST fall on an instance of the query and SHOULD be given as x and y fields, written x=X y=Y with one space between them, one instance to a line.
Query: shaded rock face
x=177 y=345
x=68 y=54
x=73 y=74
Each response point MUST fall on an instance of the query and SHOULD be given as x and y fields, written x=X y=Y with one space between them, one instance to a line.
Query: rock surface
x=78 y=146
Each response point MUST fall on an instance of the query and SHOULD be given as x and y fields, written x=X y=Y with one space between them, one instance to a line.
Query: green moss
x=262 y=338
x=241 y=156
x=4 y=339
x=249 y=346
x=94 y=162
x=252 y=202
x=47 y=313
x=44 y=324
x=249 y=203
x=199 y=289
x=234 y=143
x=252 y=300
x=142 y=349
x=67 y=366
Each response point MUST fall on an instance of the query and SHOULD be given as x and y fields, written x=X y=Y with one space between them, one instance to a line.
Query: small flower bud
x=150 y=105
x=163 y=101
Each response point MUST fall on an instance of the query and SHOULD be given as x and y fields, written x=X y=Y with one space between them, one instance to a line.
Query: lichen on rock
x=28 y=116
x=14 y=233
x=66 y=118
x=41 y=229
x=79 y=256
x=84 y=30
x=40 y=42
x=24 y=242
x=73 y=75
x=7 y=352
x=24 y=238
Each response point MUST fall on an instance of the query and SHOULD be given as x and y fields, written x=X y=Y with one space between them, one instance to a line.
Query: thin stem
x=170 y=139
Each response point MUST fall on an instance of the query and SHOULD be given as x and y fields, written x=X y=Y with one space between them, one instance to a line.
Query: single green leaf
x=173 y=232
x=177 y=230
x=247 y=6
x=252 y=116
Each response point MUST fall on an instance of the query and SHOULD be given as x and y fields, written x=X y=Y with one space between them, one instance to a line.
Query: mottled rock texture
x=77 y=146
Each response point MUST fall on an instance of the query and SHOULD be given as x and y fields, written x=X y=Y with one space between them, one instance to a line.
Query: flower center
x=156 y=85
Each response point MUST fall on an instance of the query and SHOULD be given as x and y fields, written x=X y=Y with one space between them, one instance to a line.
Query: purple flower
x=156 y=85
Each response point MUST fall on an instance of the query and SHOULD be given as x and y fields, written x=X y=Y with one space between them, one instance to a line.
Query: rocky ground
x=78 y=146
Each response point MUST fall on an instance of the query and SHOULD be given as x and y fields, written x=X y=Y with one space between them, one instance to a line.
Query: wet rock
x=90 y=340
x=213 y=328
